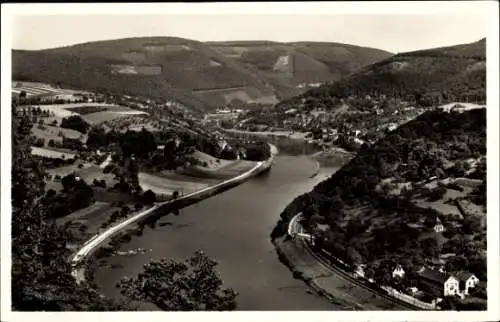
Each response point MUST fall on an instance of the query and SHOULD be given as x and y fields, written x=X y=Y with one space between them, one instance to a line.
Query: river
x=233 y=227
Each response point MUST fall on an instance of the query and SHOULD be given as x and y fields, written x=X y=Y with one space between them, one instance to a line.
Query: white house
x=468 y=280
x=451 y=286
x=458 y=284
x=398 y=271
x=438 y=227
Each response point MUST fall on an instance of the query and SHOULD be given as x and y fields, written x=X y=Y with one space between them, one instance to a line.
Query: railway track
x=323 y=261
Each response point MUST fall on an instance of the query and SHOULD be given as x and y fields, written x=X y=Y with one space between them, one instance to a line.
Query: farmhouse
x=441 y=284
x=467 y=280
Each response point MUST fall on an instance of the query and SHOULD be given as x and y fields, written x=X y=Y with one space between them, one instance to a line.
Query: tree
x=192 y=285
x=75 y=122
x=149 y=197
x=41 y=275
x=68 y=181
x=97 y=137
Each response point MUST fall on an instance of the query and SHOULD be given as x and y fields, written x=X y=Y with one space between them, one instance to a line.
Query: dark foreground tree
x=192 y=285
x=41 y=277
x=41 y=274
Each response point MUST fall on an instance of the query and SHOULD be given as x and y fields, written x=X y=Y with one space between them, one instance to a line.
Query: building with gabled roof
x=438 y=227
x=398 y=272
x=440 y=283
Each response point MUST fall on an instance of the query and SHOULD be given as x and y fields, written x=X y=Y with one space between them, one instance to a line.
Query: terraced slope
x=200 y=75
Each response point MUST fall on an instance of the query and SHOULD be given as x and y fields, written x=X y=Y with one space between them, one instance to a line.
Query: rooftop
x=434 y=276
x=463 y=275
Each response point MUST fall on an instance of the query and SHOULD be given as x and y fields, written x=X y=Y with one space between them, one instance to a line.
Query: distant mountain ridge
x=200 y=75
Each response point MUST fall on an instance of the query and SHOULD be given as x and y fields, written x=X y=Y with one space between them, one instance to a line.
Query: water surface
x=234 y=227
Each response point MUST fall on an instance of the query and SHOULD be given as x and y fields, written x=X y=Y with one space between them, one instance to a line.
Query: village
x=81 y=137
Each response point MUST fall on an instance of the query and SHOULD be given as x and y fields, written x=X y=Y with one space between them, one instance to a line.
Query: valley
x=320 y=176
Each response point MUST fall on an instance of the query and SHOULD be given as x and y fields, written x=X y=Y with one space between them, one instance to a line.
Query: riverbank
x=332 y=157
x=336 y=284
x=296 y=255
x=232 y=227
x=318 y=168
x=93 y=244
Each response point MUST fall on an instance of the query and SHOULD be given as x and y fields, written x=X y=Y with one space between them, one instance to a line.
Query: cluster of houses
x=223 y=114
x=440 y=283
x=435 y=282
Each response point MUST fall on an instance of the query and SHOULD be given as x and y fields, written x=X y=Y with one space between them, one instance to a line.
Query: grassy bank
x=295 y=255
x=332 y=158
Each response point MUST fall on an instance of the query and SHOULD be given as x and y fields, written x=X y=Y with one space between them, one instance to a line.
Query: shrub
x=76 y=123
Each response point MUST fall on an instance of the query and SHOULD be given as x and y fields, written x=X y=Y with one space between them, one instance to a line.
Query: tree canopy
x=192 y=285
x=41 y=274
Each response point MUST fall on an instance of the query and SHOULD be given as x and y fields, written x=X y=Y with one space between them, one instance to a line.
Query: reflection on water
x=234 y=228
x=294 y=147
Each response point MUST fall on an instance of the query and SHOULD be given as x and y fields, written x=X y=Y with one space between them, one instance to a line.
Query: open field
x=210 y=160
x=59 y=110
x=216 y=168
x=86 y=213
x=109 y=111
x=110 y=114
x=41 y=89
x=441 y=205
x=163 y=185
x=195 y=177
x=43 y=152
x=49 y=132
x=92 y=217
x=175 y=176
x=231 y=169
x=473 y=209
x=88 y=173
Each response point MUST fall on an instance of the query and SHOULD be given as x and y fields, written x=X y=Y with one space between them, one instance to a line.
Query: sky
x=391 y=32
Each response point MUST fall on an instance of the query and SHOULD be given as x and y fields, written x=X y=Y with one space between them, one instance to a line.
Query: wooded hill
x=425 y=77
x=379 y=211
x=199 y=75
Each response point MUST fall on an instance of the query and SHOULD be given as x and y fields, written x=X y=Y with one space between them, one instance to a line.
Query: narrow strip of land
x=78 y=270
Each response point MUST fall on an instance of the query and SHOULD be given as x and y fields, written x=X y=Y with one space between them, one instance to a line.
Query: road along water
x=234 y=228
x=95 y=242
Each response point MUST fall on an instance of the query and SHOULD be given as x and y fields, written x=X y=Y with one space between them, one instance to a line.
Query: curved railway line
x=294 y=229
x=339 y=272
